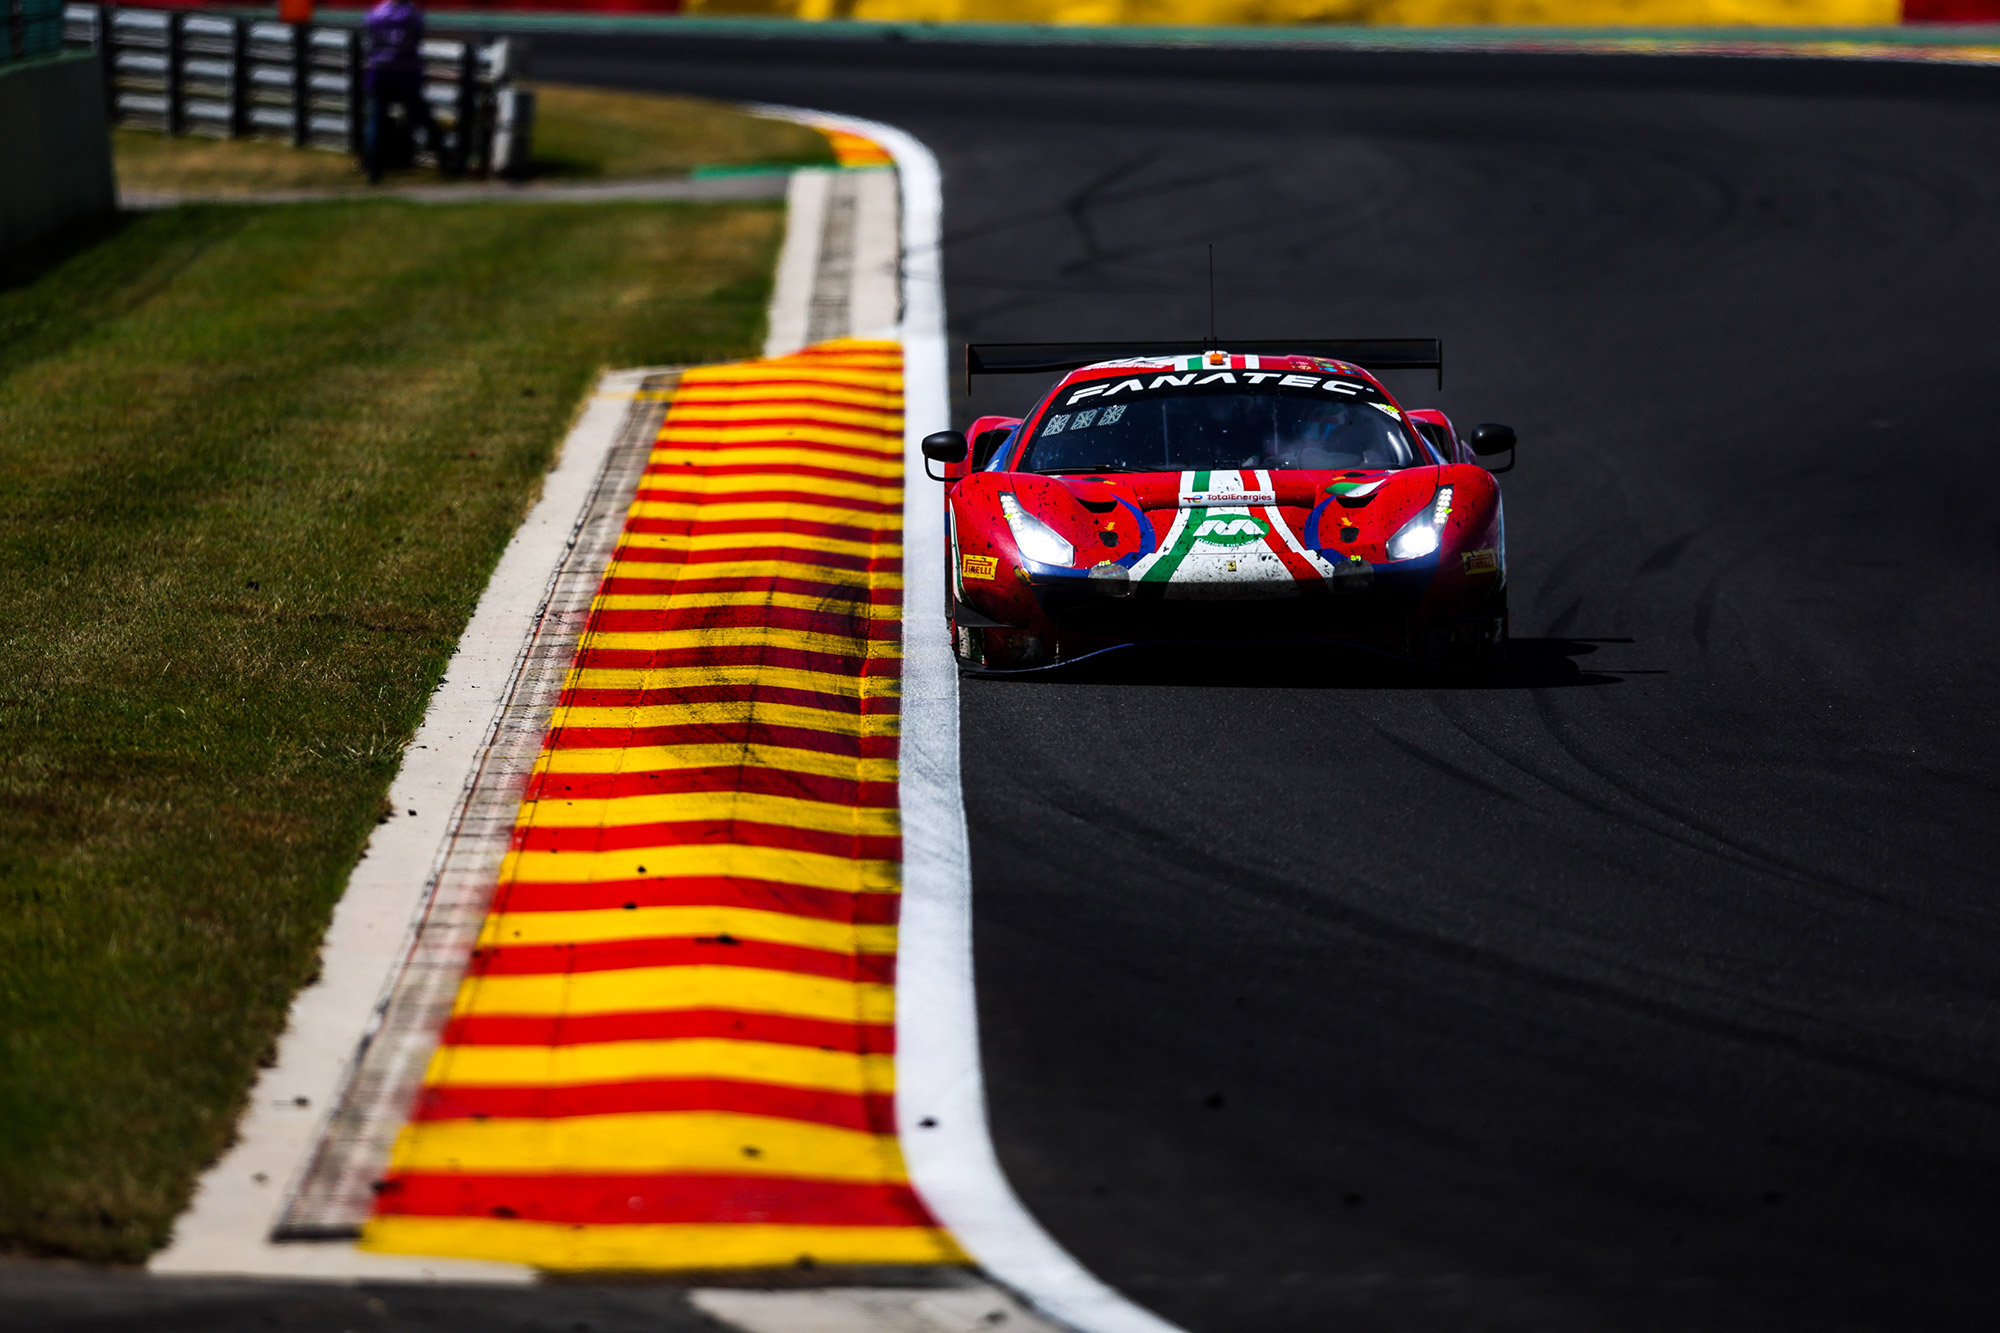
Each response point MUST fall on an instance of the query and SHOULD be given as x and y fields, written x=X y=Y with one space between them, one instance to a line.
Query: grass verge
x=580 y=134
x=586 y=132
x=258 y=463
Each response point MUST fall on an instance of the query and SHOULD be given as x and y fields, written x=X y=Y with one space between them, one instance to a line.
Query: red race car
x=1271 y=493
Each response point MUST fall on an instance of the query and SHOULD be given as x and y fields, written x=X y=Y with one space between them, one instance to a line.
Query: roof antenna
x=1211 y=293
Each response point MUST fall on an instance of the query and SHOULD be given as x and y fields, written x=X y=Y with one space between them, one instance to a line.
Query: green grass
x=591 y=133
x=580 y=133
x=256 y=465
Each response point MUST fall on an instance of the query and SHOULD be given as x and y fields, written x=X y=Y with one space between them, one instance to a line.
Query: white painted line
x=973 y=1307
x=798 y=262
x=226 y=1230
x=940 y=1093
x=875 y=299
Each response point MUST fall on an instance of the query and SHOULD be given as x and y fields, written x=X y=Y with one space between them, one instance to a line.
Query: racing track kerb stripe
x=666 y=1053
x=940 y=1098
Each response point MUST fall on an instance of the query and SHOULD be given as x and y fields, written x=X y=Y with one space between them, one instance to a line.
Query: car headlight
x=1037 y=540
x=1420 y=535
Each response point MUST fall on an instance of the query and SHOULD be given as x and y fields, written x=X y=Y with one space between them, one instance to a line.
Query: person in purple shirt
x=392 y=38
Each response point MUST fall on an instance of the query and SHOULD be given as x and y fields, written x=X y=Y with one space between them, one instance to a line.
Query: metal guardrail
x=186 y=72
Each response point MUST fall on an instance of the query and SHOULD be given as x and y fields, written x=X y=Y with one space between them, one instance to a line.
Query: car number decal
x=1227 y=530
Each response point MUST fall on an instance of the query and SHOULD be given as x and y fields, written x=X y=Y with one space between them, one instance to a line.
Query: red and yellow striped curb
x=675 y=1046
x=851 y=150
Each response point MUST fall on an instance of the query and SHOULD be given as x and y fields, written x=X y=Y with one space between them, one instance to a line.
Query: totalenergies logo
x=1231 y=531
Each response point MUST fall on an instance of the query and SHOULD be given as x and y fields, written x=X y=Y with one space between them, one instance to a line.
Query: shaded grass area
x=580 y=133
x=257 y=465
x=586 y=132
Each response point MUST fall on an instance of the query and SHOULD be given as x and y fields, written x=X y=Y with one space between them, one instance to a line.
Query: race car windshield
x=1156 y=422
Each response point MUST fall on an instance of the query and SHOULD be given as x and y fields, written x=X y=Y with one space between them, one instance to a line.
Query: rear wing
x=1370 y=354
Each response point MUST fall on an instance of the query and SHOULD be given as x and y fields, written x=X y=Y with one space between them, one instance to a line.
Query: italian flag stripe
x=1180 y=539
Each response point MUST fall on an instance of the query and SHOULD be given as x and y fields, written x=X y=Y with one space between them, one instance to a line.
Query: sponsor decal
x=1226 y=490
x=1139 y=363
x=1252 y=376
x=1232 y=499
x=1230 y=530
x=1092 y=390
x=1482 y=562
x=978 y=566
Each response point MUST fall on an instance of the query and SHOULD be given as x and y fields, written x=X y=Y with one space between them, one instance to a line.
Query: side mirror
x=947 y=446
x=1489 y=438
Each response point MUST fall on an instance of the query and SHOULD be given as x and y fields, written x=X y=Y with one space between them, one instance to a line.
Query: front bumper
x=1087 y=608
x=1383 y=608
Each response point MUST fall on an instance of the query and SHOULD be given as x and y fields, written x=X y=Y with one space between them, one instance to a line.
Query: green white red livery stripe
x=1216 y=549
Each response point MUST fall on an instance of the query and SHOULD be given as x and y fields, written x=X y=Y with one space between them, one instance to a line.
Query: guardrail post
x=301 y=84
x=175 y=75
x=239 y=79
x=513 y=131
x=106 y=43
x=357 y=98
x=468 y=126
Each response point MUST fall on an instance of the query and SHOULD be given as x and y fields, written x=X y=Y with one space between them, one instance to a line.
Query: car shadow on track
x=1532 y=664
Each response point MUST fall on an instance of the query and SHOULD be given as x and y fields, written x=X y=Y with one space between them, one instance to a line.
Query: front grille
x=1146 y=614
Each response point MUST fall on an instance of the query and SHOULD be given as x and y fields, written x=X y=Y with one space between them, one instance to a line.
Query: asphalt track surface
x=1657 y=989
